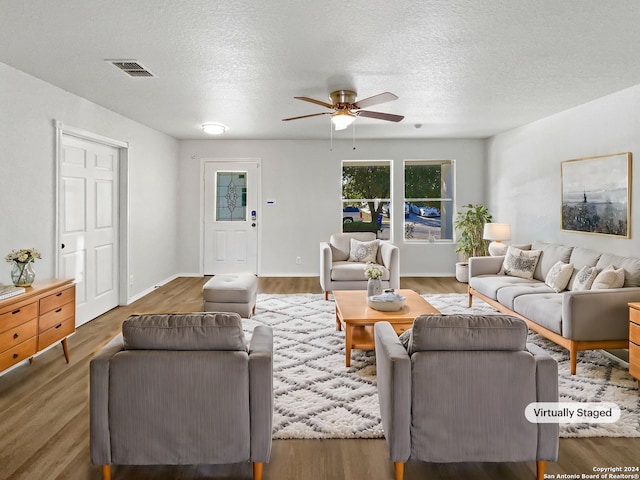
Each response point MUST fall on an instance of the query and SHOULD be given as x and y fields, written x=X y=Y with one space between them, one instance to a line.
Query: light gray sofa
x=458 y=391
x=575 y=320
x=337 y=273
x=182 y=389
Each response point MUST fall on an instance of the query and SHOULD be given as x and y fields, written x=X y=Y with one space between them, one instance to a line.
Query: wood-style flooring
x=44 y=416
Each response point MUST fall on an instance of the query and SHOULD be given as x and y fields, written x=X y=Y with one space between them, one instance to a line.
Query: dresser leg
x=65 y=349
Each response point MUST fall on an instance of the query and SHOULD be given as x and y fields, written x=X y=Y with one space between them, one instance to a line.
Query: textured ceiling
x=461 y=68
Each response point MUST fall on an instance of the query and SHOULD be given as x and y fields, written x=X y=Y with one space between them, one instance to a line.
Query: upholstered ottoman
x=231 y=293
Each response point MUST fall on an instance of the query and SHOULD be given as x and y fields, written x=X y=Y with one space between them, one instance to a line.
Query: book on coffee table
x=8 y=291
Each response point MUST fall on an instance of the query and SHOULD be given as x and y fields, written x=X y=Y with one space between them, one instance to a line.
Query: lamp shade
x=497 y=231
x=342 y=119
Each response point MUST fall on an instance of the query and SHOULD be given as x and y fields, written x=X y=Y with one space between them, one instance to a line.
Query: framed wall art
x=596 y=195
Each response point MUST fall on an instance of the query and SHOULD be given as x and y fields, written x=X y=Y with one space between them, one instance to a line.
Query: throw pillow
x=585 y=277
x=559 y=275
x=405 y=339
x=520 y=263
x=363 y=251
x=609 y=278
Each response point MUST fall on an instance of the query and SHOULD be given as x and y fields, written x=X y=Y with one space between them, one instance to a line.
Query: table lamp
x=497 y=232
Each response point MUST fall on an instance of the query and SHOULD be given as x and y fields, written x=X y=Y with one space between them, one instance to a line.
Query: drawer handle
x=15 y=355
x=15 y=335
x=58 y=294
x=58 y=326
x=58 y=310
x=15 y=311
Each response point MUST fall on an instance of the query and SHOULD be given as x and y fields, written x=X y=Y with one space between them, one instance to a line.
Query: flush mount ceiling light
x=214 y=128
x=342 y=119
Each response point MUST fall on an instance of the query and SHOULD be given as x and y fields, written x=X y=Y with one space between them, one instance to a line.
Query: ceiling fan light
x=214 y=128
x=342 y=120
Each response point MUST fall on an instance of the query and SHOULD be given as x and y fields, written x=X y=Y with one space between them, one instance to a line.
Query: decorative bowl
x=388 y=301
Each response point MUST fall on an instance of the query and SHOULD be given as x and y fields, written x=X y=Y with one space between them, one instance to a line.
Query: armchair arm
x=597 y=314
x=485 y=265
x=546 y=391
x=390 y=254
x=261 y=392
x=394 y=390
x=99 y=403
x=326 y=259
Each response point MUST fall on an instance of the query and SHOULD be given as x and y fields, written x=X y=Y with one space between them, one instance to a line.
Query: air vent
x=131 y=68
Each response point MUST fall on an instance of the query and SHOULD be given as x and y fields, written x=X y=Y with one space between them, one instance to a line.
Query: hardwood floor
x=44 y=419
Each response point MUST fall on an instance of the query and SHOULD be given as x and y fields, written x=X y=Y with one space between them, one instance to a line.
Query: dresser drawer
x=634 y=360
x=19 y=334
x=56 y=300
x=634 y=333
x=18 y=316
x=18 y=353
x=54 y=317
x=56 y=333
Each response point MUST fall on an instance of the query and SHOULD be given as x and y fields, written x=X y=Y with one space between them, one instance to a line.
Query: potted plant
x=470 y=224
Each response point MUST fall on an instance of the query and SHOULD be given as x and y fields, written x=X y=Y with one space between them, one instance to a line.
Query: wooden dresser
x=30 y=322
x=634 y=340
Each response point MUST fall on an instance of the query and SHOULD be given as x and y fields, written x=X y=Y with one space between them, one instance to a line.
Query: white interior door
x=230 y=217
x=88 y=224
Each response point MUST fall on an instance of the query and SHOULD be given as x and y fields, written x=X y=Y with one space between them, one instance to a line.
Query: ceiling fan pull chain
x=330 y=135
x=354 y=135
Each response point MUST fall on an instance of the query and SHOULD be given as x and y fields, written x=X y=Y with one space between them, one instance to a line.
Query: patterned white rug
x=316 y=396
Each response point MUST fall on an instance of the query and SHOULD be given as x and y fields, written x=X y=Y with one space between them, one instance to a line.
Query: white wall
x=304 y=178
x=524 y=169
x=28 y=107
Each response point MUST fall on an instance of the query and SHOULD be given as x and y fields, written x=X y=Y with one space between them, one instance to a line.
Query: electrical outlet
x=298 y=260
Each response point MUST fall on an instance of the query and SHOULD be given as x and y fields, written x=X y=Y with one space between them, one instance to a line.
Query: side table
x=634 y=340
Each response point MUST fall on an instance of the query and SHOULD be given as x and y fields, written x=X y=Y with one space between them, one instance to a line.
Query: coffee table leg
x=348 y=340
x=338 y=324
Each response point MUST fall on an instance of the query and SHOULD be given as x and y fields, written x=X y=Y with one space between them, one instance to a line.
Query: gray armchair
x=182 y=389
x=337 y=273
x=458 y=391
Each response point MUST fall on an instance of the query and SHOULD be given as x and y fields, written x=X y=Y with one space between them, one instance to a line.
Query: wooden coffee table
x=357 y=318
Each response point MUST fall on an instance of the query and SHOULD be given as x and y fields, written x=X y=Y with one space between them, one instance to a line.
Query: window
x=366 y=196
x=231 y=196
x=428 y=196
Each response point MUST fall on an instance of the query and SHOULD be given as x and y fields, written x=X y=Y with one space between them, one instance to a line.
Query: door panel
x=88 y=224
x=230 y=217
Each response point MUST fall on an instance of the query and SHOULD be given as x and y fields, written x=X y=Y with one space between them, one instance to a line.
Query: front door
x=88 y=224
x=231 y=191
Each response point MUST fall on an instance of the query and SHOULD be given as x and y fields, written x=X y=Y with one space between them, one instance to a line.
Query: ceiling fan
x=345 y=108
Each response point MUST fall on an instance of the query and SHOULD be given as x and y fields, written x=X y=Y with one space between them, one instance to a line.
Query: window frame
x=450 y=199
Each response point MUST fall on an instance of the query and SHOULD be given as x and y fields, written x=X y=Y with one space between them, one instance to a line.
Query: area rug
x=316 y=396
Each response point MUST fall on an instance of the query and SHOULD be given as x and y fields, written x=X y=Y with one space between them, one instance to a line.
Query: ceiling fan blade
x=375 y=100
x=313 y=100
x=380 y=116
x=306 y=116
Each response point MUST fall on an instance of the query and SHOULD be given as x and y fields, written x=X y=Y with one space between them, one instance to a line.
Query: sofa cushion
x=340 y=243
x=631 y=267
x=353 y=271
x=584 y=278
x=507 y=295
x=581 y=257
x=610 y=277
x=191 y=331
x=520 y=263
x=363 y=252
x=468 y=332
x=545 y=309
x=559 y=276
x=550 y=254
x=490 y=285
